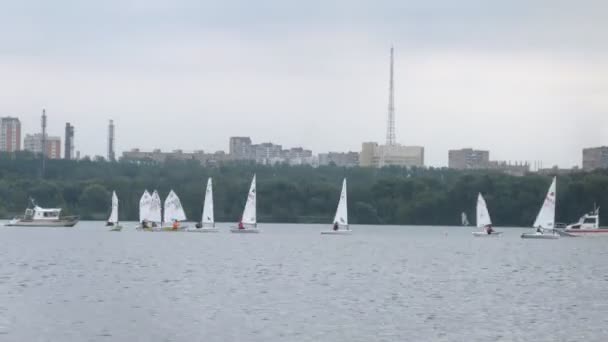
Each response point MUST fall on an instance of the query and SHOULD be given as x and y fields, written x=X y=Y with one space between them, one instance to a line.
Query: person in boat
x=336 y=226
x=241 y=226
x=199 y=225
x=489 y=229
x=109 y=224
x=145 y=224
x=175 y=224
x=538 y=230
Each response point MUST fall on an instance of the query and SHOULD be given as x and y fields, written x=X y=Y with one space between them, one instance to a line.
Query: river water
x=289 y=283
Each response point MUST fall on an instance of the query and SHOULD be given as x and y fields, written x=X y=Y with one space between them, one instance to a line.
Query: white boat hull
x=337 y=232
x=485 y=234
x=245 y=231
x=539 y=236
x=202 y=230
x=116 y=229
x=42 y=223
x=588 y=232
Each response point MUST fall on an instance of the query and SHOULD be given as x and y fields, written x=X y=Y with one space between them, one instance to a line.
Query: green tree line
x=391 y=195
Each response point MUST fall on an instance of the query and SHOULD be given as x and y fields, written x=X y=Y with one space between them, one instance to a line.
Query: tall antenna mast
x=43 y=142
x=390 y=125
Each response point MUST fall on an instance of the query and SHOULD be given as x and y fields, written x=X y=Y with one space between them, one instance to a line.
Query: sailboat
x=144 y=210
x=154 y=217
x=545 y=220
x=483 y=219
x=174 y=213
x=207 y=224
x=248 y=223
x=340 y=223
x=464 y=219
x=113 y=219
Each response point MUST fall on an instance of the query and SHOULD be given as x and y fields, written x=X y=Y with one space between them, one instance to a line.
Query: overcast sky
x=525 y=79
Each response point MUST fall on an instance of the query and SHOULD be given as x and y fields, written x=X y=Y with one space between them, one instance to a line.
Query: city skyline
x=191 y=74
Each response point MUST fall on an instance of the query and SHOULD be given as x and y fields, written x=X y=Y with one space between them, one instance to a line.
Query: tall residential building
x=10 y=134
x=595 y=158
x=69 y=142
x=240 y=148
x=111 y=152
x=267 y=153
x=33 y=143
x=468 y=158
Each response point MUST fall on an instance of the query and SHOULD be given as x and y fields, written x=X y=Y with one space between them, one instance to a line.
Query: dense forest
x=391 y=195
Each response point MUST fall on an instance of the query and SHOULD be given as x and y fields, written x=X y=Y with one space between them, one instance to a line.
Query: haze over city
x=527 y=80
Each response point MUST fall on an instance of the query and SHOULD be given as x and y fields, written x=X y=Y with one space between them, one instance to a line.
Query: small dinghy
x=207 y=224
x=113 y=219
x=340 y=226
x=545 y=220
x=248 y=223
x=483 y=220
x=174 y=213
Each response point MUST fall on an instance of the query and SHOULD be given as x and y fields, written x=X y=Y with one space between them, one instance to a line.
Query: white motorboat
x=207 y=224
x=248 y=223
x=340 y=226
x=587 y=225
x=36 y=216
x=113 y=219
x=483 y=219
x=545 y=220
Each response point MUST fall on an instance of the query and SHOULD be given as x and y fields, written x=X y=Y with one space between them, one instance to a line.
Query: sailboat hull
x=203 y=230
x=485 y=234
x=337 y=232
x=245 y=231
x=116 y=228
x=539 y=236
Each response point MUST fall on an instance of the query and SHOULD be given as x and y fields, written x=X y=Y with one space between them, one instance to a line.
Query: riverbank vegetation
x=391 y=195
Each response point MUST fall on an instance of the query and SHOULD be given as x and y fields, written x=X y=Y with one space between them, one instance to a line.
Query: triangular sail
x=483 y=216
x=546 y=216
x=173 y=208
x=155 y=214
x=114 y=214
x=208 y=219
x=342 y=211
x=144 y=206
x=249 y=213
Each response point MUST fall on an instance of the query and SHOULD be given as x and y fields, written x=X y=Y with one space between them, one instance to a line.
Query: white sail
x=144 y=206
x=155 y=214
x=114 y=214
x=208 y=219
x=483 y=216
x=464 y=219
x=546 y=216
x=249 y=213
x=342 y=211
x=173 y=208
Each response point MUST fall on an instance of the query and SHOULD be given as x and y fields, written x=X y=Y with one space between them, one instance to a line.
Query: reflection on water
x=292 y=284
